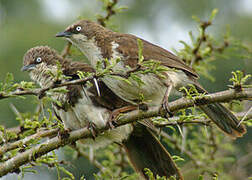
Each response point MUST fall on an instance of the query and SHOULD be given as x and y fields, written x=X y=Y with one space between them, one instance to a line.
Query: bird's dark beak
x=66 y=34
x=28 y=67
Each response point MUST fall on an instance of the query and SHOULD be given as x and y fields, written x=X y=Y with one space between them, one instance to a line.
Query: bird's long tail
x=145 y=151
x=224 y=119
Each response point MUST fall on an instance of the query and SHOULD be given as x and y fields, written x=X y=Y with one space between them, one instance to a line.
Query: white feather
x=87 y=47
x=84 y=112
x=97 y=87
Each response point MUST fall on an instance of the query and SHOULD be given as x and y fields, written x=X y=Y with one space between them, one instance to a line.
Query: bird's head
x=38 y=61
x=82 y=31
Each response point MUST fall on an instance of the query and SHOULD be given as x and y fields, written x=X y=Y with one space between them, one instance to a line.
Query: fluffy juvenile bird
x=82 y=106
x=99 y=43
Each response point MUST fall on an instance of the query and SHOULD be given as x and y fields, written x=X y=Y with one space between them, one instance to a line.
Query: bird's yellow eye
x=78 y=28
x=38 y=60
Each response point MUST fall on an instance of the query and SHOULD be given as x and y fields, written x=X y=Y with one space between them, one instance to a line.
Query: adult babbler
x=99 y=43
x=82 y=106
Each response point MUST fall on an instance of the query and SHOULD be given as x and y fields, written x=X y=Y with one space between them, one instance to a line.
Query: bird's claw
x=143 y=107
x=62 y=134
x=92 y=128
x=112 y=120
x=41 y=94
x=165 y=106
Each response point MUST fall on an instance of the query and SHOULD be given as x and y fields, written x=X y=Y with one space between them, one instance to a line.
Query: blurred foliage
x=205 y=151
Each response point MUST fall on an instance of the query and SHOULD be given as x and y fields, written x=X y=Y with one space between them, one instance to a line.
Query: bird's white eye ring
x=38 y=60
x=78 y=28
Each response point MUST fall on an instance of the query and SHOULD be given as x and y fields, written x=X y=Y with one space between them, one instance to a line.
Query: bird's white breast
x=83 y=112
x=88 y=48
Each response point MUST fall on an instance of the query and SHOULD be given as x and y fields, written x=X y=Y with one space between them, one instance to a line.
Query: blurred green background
x=25 y=24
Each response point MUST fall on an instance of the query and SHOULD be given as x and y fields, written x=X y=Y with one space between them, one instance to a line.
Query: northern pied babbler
x=99 y=43
x=83 y=106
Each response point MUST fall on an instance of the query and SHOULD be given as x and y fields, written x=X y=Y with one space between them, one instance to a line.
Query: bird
x=99 y=44
x=83 y=105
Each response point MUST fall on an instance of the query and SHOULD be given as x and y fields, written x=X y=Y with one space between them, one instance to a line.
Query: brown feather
x=129 y=48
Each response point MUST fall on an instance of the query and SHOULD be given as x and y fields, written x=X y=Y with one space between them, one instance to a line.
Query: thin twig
x=201 y=39
x=179 y=148
x=245 y=115
x=91 y=160
x=213 y=143
x=202 y=122
x=109 y=12
x=66 y=50
x=41 y=91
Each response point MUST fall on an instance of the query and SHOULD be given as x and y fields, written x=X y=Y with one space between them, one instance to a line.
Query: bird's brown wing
x=106 y=99
x=146 y=151
x=71 y=68
x=129 y=48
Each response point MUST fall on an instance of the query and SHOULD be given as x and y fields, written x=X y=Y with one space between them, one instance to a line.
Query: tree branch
x=41 y=91
x=41 y=149
x=56 y=142
x=182 y=103
x=10 y=146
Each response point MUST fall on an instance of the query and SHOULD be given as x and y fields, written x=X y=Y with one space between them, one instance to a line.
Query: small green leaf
x=140 y=51
x=177 y=158
x=213 y=14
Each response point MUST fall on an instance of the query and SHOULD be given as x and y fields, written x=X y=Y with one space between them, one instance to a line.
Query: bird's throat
x=42 y=76
x=88 y=47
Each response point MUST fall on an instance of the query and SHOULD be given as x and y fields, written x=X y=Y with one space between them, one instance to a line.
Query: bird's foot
x=112 y=121
x=143 y=107
x=113 y=118
x=165 y=106
x=41 y=94
x=93 y=129
x=165 y=102
x=63 y=134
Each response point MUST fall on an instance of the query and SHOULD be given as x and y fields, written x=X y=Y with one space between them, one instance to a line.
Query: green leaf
x=177 y=158
x=140 y=51
x=66 y=172
x=137 y=79
x=213 y=14
x=197 y=19
x=149 y=174
x=200 y=177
